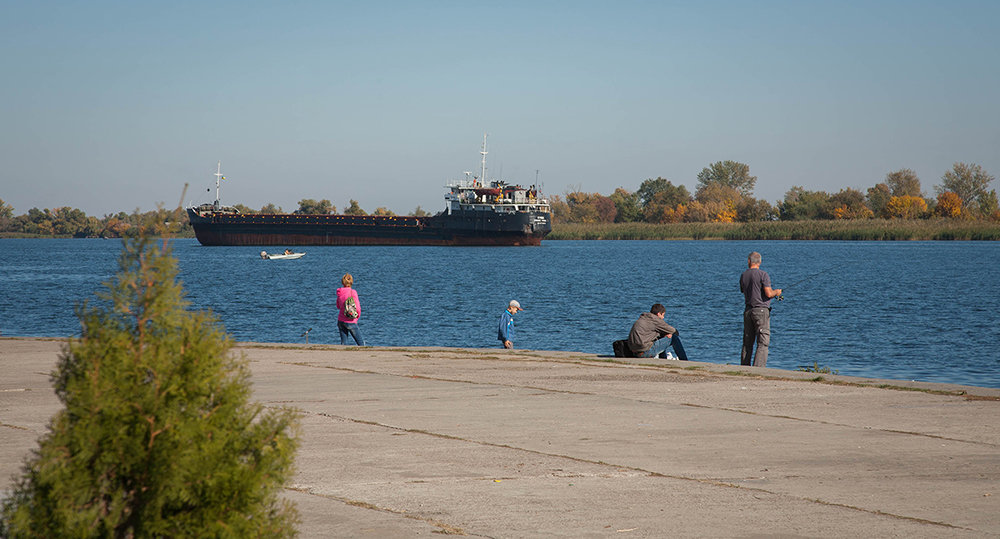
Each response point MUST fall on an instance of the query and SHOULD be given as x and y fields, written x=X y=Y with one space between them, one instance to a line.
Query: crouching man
x=651 y=336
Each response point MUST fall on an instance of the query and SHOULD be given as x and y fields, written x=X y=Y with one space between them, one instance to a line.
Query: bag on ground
x=621 y=349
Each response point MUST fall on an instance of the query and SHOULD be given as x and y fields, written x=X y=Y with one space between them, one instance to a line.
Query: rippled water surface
x=907 y=310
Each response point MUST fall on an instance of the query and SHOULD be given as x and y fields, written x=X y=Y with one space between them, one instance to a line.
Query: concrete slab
x=408 y=442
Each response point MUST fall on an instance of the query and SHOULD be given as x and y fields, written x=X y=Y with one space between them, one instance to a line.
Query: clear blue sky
x=109 y=106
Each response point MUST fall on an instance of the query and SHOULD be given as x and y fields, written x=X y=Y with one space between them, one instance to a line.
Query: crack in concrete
x=692 y=405
x=831 y=423
x=612 y=362
x=450 y=380
x=650 y=473
x=443 y=528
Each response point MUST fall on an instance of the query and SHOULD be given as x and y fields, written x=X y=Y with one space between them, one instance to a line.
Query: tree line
x=73 y=222
x=724 y=193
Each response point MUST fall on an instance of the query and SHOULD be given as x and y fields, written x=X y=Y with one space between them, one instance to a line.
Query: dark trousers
x=756 y=327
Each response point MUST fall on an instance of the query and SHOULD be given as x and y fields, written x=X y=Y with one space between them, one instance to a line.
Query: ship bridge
x=496 y=196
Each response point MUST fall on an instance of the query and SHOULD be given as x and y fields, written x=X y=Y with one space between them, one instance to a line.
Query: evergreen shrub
x=157 y=437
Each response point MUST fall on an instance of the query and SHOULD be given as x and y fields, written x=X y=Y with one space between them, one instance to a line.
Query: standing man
x=505 y=333
x=756 y=287
x=650 y=335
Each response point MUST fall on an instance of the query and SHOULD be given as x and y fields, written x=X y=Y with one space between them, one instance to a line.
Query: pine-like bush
x=158 y=437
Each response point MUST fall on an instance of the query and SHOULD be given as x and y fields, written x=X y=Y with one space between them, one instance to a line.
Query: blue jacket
x=506 y=330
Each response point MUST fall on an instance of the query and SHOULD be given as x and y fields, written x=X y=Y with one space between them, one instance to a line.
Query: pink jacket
x=342 y=295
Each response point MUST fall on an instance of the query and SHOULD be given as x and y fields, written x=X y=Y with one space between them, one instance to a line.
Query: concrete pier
x=514 y=443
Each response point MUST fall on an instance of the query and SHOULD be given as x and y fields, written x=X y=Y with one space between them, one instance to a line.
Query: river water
x=900 y=310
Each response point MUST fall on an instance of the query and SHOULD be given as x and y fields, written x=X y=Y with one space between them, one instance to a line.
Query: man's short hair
x=657 y=309
x=754 y=258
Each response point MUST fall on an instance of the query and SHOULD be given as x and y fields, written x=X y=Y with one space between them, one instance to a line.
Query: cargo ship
x=477 y=212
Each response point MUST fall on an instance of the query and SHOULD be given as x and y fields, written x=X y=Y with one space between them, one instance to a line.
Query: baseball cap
x=514 y=303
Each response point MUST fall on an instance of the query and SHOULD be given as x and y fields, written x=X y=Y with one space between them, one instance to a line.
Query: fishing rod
x=813 y=276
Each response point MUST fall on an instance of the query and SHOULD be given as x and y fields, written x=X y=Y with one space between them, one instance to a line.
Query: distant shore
x=842 y=230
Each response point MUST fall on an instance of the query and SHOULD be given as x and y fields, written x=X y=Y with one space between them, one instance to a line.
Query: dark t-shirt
x=752 y=283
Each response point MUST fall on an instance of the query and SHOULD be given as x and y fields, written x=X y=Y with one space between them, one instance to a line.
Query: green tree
x=800 y=204
x=969 y=182
x=728 y=174
x=848 y=204
x=38 y=221
x=663 y=208
x=6 y=216
x=649 y=188
x=750 y=209
x=381 y=210
x=627 y=208
x=90 y=228
x=308 y=206
x=673 y=194
x=903 y=183
x=271 y=209
x=878 y=198
x=157 y=437
x=989 y=206
x=68 y=221
x=354 y=209
x=419 y=212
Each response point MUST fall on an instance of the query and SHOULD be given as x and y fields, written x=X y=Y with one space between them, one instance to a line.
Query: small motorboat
x=287 y=255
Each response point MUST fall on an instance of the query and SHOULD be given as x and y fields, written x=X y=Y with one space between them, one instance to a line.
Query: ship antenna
x=218 y=176
x=484 y=152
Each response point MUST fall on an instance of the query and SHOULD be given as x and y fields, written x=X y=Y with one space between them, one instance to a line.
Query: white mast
x=218 y=176
x=484 y=152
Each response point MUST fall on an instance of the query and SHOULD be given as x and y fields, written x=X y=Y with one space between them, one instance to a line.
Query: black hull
x=457 y=228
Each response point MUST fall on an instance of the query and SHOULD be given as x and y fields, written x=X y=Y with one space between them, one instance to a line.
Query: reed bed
x=859 y=230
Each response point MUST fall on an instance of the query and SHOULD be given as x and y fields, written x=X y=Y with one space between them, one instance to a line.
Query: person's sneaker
x=670 y=357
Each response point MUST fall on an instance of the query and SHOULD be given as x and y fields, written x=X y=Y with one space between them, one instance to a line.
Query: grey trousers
x=756 y=327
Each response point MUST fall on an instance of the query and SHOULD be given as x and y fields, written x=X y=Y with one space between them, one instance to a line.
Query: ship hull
x=455 y=228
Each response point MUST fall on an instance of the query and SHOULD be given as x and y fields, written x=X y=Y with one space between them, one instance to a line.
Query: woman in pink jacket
x=350 y=310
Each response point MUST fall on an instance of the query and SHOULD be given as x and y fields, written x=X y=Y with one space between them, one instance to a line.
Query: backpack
x=621 y=349
x=351 y=308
